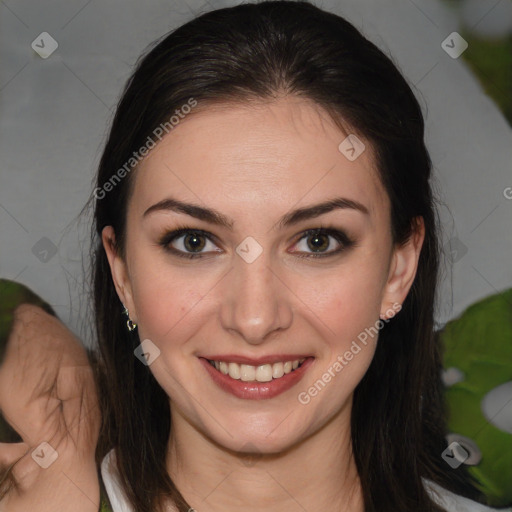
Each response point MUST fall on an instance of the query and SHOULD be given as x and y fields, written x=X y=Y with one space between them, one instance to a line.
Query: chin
x=270 y=435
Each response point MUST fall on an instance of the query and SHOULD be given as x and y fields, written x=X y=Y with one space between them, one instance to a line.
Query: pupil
x=315 y=244
x=196 y=243
x=193 y=242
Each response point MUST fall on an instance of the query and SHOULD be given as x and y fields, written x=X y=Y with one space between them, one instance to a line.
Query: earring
x=129 y=323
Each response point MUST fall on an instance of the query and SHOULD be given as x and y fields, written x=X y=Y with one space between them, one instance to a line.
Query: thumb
x=14 y=467
x=11 y=453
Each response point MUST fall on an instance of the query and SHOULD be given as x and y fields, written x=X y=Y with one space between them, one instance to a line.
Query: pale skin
x=254 y=164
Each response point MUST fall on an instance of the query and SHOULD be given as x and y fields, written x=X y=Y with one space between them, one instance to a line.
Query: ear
x=402 y=271
x=118 y=270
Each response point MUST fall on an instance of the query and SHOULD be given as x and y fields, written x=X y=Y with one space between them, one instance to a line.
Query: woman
x=283 y=212
x=263 y=216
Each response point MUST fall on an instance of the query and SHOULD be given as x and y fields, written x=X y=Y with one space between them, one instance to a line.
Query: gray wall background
x=55 y=114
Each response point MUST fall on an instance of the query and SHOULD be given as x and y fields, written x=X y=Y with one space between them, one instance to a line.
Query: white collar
x=115 y=493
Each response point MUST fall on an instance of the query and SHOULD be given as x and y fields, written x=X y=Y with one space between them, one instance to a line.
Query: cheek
x=347 y=301
x=348 y=309
x=163 y=298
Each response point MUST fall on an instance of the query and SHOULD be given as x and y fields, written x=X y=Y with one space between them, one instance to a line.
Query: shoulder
x=454 y=503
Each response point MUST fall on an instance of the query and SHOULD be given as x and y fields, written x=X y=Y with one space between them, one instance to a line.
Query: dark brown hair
x=261 y=51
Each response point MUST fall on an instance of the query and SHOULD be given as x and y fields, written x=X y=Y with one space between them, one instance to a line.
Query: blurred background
x=63 y=66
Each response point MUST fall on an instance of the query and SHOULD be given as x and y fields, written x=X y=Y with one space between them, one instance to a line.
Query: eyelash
x=339 y=236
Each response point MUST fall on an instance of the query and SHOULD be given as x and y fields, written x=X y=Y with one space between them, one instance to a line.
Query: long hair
x=254 y=52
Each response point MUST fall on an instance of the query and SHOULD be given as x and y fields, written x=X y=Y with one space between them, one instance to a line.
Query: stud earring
x=129 y=323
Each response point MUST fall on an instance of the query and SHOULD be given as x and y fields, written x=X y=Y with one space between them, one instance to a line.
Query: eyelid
x=170 y=236
x=339 y=235
x=345 y=241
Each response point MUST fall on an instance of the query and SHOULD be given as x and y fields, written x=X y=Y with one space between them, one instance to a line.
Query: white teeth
x=247 y=372
x=277 y=370
x=234 y=370
x=262 y=373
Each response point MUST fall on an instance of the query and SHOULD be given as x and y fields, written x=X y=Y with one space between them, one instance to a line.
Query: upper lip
x=270 y=359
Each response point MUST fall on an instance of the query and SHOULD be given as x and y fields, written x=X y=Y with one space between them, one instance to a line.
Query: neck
x=318 y=473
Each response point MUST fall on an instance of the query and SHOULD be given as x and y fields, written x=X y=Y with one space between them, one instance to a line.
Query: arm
x=48 y=396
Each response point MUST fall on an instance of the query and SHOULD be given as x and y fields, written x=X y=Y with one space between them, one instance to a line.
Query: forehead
x=258 y=155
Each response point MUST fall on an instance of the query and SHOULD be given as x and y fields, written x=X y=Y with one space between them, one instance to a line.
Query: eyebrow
x=294 y=217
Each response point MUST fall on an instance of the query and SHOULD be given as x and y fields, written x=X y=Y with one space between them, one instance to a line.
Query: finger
x=10 y=456
x=80 y=409
x=38 y=346
x=11 y=453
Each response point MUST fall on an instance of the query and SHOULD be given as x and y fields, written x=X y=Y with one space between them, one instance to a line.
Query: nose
x=255 y=301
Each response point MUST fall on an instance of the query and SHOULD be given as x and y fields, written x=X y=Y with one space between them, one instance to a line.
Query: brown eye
x=193 y=242
x=318 y=241
x=188 y=243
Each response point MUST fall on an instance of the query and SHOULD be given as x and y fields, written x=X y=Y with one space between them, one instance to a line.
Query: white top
x=449 y=501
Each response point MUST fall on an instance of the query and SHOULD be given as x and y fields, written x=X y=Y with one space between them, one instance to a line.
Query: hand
x=48 y=395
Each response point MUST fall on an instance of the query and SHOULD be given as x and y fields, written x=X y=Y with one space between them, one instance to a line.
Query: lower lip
x=256 y=390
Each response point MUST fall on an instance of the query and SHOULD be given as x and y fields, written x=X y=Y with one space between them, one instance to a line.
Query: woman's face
x=257 y=294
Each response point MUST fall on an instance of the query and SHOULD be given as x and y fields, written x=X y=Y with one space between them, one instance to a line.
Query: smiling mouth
x=262 y=373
